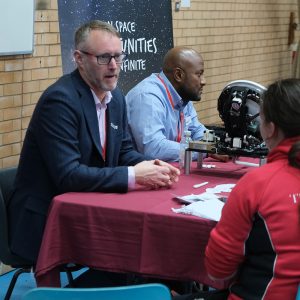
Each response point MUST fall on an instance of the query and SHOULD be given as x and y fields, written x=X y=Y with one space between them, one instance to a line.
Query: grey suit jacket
x=62 y=153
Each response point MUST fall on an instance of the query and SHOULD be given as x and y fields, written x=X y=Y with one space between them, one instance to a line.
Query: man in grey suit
x=78 y=141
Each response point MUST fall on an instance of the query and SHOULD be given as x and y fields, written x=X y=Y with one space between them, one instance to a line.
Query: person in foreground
x=256 y=244
x=159 y=108
x=78 y=140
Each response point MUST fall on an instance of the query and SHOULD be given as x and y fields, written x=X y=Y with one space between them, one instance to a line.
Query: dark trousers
x=207 y=295
x=98 y=278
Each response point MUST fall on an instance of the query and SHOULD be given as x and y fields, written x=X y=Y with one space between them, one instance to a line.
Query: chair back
x=149 y=291
x=7 y=178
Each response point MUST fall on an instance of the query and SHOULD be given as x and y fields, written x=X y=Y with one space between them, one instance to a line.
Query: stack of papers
x=206 y=205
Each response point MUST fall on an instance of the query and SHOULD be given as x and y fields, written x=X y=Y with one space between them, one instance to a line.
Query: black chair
x=7 y=177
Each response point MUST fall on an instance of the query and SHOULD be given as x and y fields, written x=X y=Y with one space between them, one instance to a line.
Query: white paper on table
x=195 y=197
x=209 y=207
x=221 y=188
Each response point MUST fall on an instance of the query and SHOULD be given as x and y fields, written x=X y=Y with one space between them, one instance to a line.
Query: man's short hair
x=83 y=31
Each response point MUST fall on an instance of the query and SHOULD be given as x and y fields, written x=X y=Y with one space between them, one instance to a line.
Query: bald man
x=159 y=108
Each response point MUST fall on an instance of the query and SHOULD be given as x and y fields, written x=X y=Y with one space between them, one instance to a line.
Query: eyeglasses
x=105 y=59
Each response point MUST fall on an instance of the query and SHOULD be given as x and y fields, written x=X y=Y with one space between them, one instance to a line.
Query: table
x=136 y=232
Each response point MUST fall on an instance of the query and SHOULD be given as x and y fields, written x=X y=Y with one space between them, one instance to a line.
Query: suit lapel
x=113 y=127
x=89 y=109
x=108 y=131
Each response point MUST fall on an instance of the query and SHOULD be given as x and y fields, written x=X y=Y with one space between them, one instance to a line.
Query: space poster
x=145 y=27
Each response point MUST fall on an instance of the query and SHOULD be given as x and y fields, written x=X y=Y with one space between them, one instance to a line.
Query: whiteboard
x=16 y=26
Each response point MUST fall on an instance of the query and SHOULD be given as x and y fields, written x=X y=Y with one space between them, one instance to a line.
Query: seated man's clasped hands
x=161 y=174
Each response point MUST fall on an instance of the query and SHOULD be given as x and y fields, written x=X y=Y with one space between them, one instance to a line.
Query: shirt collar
x=105 y=101
x=177 y=100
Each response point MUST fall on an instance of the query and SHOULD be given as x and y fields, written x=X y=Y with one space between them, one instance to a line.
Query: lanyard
x=102 y=128
x=181 y=116
x=104 y=142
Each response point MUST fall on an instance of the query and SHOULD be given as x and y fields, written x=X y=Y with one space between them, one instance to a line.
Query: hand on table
x=174 y=172
x=155 y=174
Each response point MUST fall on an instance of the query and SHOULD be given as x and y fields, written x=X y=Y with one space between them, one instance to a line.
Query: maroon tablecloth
x=135 y=232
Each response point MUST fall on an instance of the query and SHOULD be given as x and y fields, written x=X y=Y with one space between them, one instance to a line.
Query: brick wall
x=22 y=80
x=243 y=39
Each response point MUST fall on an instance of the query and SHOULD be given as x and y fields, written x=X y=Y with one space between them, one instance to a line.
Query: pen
x=200 y=184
